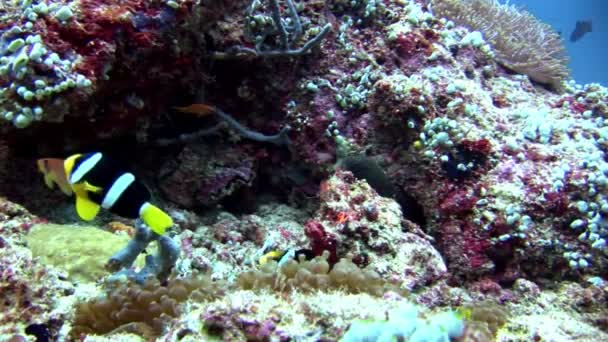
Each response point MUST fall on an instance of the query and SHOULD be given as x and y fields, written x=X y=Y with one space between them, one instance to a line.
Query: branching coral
x=159 y=265
x=522 y=42
x=280 y=138
x=260 y=29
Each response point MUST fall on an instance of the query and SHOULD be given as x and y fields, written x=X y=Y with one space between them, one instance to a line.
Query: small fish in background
x=582 y=27
x=100 y=182
x=197 y=109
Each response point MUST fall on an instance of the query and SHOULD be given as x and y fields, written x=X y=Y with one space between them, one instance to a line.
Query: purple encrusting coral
x=496 y=192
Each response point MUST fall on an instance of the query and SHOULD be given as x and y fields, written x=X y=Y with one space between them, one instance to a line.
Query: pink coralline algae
x=354 y=220
x=320 y=240
x=28 y=289
x=236 y=324
x=81 y=56
x=201 y=176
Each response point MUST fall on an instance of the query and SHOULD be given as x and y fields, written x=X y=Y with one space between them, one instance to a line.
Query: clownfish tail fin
x=155 y=218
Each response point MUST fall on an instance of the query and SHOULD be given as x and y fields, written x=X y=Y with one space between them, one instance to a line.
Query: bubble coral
x=316 y=274
x=142 y=309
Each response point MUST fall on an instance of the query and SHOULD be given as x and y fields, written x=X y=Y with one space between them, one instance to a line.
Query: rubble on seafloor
x=496 y=209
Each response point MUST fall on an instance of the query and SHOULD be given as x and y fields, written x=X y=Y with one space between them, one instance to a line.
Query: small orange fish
x=54 y=173
x=199 y=109
x=342 y=217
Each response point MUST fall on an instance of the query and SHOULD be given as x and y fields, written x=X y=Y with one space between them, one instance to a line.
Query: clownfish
x=281 y=256
x=100 y=182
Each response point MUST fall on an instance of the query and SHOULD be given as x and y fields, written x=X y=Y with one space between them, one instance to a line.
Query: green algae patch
x=82 y=251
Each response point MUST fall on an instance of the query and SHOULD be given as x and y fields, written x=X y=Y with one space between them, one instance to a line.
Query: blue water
x=588 y=56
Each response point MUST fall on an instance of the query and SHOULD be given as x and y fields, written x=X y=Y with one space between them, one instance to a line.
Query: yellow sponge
x=82 y=251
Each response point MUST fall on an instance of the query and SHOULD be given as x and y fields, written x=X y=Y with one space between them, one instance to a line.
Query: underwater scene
x=300 y=170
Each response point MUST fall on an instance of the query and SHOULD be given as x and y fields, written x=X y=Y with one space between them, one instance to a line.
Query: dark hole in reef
x=39 y=331
x=462 y=156
x=469 y=72
x=209 y=42
x=454 y=50
x=243 y=201
x=290 y=183
x=397 y=62
x=412 y=210
x=367 y=169
x=500 y=254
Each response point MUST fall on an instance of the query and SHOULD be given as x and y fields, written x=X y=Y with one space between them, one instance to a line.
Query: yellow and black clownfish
x=100 y=182
x=281 y=256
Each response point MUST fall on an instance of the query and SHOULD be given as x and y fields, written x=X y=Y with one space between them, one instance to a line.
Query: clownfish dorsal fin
x=68 y=164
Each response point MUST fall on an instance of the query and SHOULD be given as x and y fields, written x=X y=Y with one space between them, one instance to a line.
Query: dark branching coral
x=272 y=35
x=280 y=138
x=141 y=309
x=522 y=43
x=316 y=275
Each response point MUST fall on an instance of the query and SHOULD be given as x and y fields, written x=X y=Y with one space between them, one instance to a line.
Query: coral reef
x=353 y=219
x=398 y=146
x=52 y=71
x=521 y=42
x=30 y=290
x=203 y=176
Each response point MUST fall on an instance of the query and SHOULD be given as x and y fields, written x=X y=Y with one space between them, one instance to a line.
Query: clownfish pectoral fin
x=155 y=218
x=86 y=209
x=92 y=188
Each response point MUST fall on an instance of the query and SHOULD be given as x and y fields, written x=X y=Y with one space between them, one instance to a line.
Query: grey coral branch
x=278 y=23
x=159 y=265
x=281 y=138
x=240 y=51
x=297 y=25
x=285 y=32
x=189 y=137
